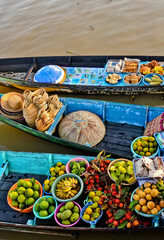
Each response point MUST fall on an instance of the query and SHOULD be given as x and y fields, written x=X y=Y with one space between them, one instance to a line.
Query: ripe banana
x=67 y=188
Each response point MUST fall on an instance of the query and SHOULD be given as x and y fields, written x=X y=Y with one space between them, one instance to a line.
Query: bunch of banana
x=67 y=188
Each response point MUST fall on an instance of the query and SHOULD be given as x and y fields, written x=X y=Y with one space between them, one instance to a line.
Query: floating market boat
x=123 y=123
x=21 y=165
x=84 y=74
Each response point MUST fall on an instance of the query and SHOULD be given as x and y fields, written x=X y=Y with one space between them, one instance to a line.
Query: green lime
x=57 y=169
x=151 y=150
x=51 y=201
x=13 y=195
x=44 y=205
x=20 y=182
x=32 y=180
x=30 y=201
x=21 y=190
x=155 y=144
x=29 y=192
x=37 y=207
x=27 y=184
x=21 y=198
x=46 y=188
x=52 y=179
x=36 y=194
x=51 y=209
x=43 y=213
x=63 y=167
x=22 y=206
x=145 y=149
x=14 y=203
x=36 y=187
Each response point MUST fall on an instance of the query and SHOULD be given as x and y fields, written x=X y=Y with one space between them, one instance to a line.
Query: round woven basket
x=112 y=163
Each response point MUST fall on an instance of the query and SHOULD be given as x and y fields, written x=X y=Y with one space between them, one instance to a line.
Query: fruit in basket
x=122 y=171
x=67 y=188
x=24 y=195
x=48 y=184
x=45 y=206
x=77 y=168
x=57 y=170
x=67 y=216
x=150 y=197
x=145 y=146
x=91 y=214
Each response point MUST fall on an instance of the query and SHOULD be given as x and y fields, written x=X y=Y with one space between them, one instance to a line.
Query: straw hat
x=82 y=127
x=12 y=102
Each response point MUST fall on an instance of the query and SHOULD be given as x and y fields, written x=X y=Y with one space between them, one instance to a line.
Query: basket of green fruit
x=77 y=166
x=121 y=170
x=144 y=146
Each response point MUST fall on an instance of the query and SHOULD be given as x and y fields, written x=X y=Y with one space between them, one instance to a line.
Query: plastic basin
x=92 y=223
x=77 y=159
x=57 y=210
x=37 y=213
x=26 y=210
x=54 y=185
x=137 y=155
x=132 y=84
x=144 y=214
x=150 y=75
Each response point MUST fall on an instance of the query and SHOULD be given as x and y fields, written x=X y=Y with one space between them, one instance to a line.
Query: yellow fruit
x=86 y=217
x=142 y=201
x=96 y=199
x=147 y=185
x=46 y=182
x=91 y=194
x=57 y=169
x=148 y=154
x=147 y=190
x=145 y=138
x=139 y=143
x=144 y=208
x=63 y=167
x=142 y=194
x=154 y=192
x=158 y=208
x=153 y=186
x=88 y=210
x=61 y=172
x=59 y=164
x=139 y=148
x=138 y=207
x=144 y=144
x=148 y=197
x=136 y=197
x=52 y=169
x=154 y=211
x=137 y=190
x=145 y=150
x=150 y=204
x=161 y=203
x=151 y=139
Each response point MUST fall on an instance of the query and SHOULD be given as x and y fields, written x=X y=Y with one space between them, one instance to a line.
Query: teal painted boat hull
x=124 y=123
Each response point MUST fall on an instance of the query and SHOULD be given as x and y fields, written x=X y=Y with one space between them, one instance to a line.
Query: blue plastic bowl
x=37 y=213
x=92 y=223
x=53 y=189
x=139 y=156
x=149 y=76
x=144 y=214
x=130 y=84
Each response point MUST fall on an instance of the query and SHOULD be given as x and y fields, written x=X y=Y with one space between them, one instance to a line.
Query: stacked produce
x=68 y=213
x=92 y=212
x=149 y=198
x=154 y=80
x=152 y=67
x=45 y=206
x=113 y=78
x=67 y=188
x=57 y=170
x=98 y=198
x=122 y=171
x=145 y=146
x=25 y=193
x=77 y=168
x=132 y=79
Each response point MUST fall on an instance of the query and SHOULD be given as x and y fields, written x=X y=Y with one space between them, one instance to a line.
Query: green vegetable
x=119 y=214
x=123 y=224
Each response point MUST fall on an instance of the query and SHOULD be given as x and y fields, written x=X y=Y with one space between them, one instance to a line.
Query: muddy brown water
x=77 y=27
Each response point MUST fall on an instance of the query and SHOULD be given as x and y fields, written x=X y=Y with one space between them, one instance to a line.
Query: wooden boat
x=17 y=165
x=19 y=73
x=124 y=123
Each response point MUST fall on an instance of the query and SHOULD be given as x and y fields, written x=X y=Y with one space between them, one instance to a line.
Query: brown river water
x=77 y=27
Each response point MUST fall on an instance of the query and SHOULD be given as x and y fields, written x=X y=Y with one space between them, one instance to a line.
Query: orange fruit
x=150 y=204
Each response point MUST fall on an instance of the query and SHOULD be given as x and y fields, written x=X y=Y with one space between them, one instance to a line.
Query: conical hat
x=12 y=102
x=82 y=127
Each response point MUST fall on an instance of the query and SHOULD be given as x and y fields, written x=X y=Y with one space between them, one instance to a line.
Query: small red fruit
x=88 y=187
x=121 y=205
x=105 y=191
x=97 y=177
x=91 y=181
x=117 y=201
x=110 y=203
x=114 y=193
x=86 y=182
x=128 y=216
x=113 y=187
x=115 y=223
x=110 y=220
x=120 y=221
x=102 y=169
x=99 y=188
x=109 y=215
x=109 y=191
